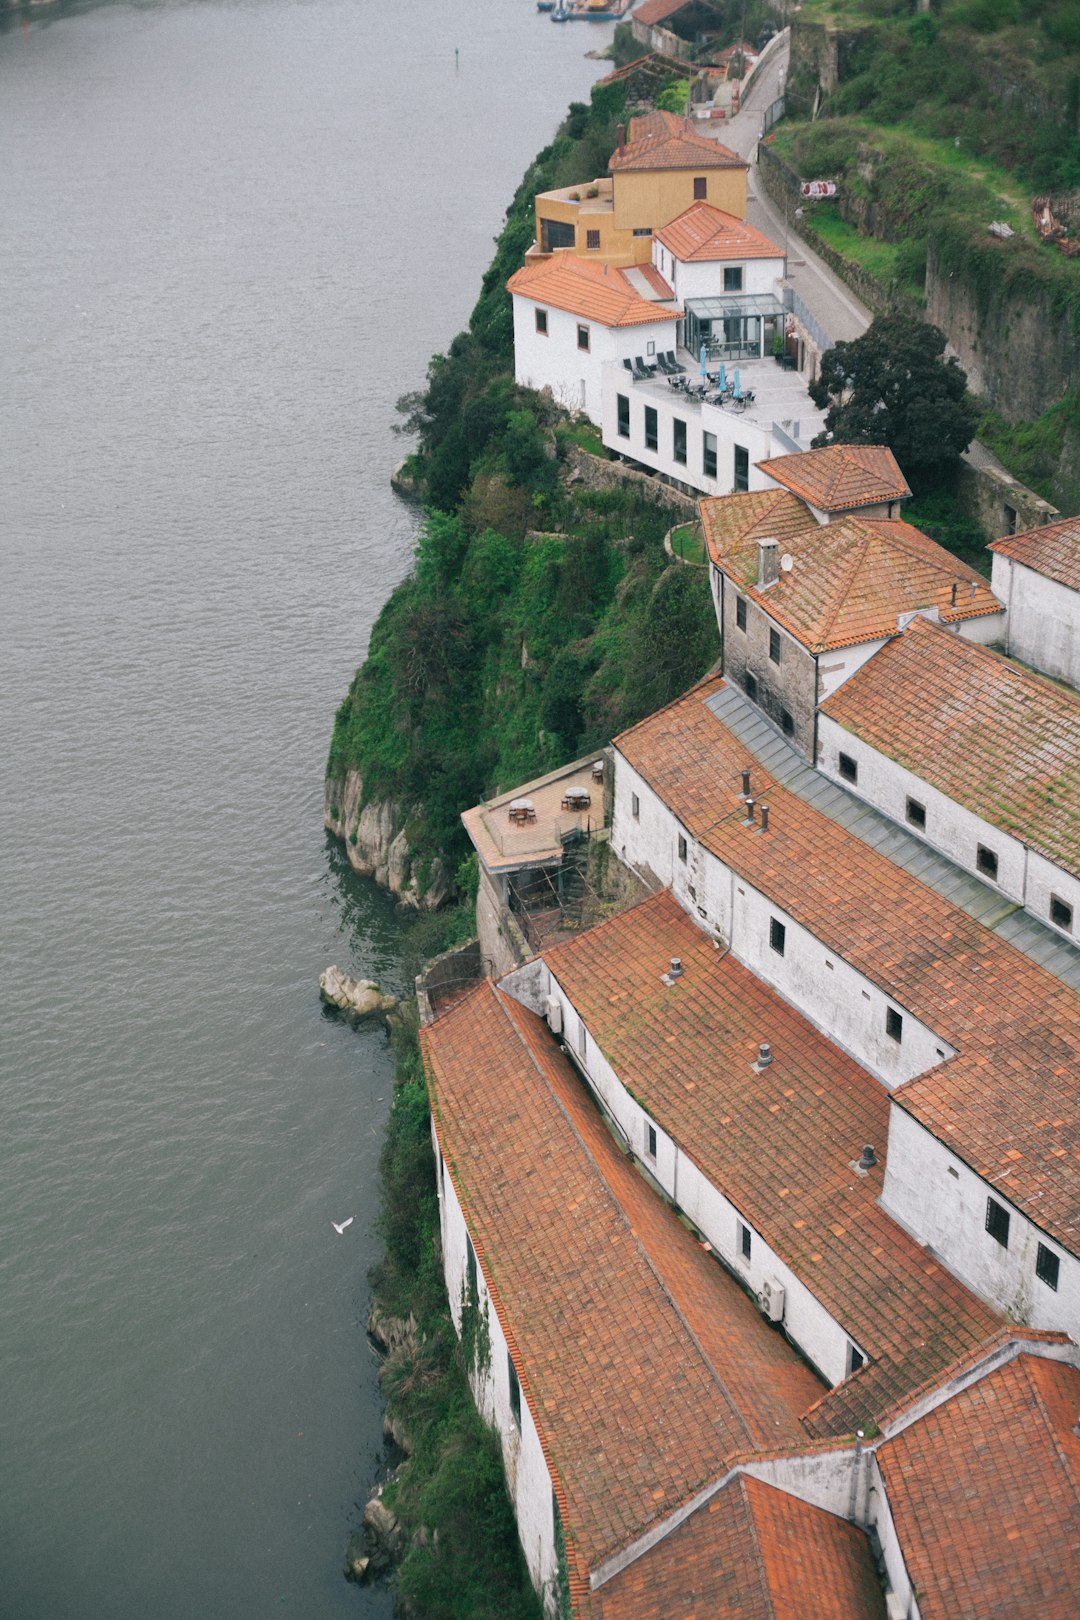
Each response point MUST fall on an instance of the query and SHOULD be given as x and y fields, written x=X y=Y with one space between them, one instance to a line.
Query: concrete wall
x=1043 y=623
x=527 y=1478
x=1023 y=876
x=942 y=1201
x=553 y=360
x=728 y=429
x=789 y=687
x=840 y=1001
x=502 y=944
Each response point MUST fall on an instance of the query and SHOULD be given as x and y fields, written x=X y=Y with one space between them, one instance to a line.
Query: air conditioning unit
x=553 y=1014
x=771 y=1299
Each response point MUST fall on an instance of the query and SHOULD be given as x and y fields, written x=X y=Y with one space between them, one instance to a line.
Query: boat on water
x=545 y=5
x=585 y=10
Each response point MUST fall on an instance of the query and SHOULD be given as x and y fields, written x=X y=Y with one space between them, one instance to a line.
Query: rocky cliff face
x=377 y=844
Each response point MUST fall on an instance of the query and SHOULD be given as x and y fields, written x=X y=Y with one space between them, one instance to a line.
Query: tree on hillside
x=893 y=386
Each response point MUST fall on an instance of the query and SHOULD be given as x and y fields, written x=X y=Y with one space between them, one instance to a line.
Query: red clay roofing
x=1053 y=550
x=612 y=1312
x=703 y=232
x=850 y=580
x=1001 y=741
x=664 y=140
x=587 y=288
x=984 y=1493
x=838 y=477
x=779 y=1144
x=1007 y=1104
x=750 y=1553
x=658 y=11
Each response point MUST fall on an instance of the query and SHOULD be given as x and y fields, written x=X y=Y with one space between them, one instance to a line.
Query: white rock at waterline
x=361 y=997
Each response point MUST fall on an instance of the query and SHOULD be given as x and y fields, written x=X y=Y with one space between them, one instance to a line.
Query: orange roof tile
x=611 y=1311
x=658 y=11
x=851 y=579
x=779 y=1143
x=988 y=733
x=587 y=288
x=839 y=477
x=703 y=232
x=1053 y=550
x=750 y=1553
x=664 y=140
x=985 y=1497
x=1012 y=1087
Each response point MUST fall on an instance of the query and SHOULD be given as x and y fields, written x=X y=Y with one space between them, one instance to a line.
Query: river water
x=233 y=232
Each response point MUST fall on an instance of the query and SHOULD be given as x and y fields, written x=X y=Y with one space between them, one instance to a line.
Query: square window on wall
x=622 y=415
x=740 y=612
x=1061 y=913
x=1047 y=1266
x=583 y=338
x=997 y=1222
x=708 y=454
x=894 y=1025
x=592 y=241
x=678 y=440
x=635 y=806
x=682 y=847
x=541 y=322
x=745 y=1241
x=733 y=278
x=849 y=769
x=774 y=646
x=650 y=1141
x=652 y=429
x=986 y=862
x=916 y=814
x=777 y=935
x=742 y=469
x=701 y=188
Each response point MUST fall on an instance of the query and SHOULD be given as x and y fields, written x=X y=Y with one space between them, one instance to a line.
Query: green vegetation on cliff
x=542 y=614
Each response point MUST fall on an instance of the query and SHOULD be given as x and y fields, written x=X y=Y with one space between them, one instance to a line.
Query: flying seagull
x=339 y=1229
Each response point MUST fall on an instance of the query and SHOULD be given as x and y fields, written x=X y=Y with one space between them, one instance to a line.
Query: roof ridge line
x=759 y=1550
x=859 y=557
x=1066 y=1464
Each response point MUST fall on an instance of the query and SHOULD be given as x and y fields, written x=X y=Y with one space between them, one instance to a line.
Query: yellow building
x=664 y=167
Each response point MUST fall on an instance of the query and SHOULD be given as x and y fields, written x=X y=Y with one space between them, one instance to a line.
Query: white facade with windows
x=987 y=851
x=845 y=1005
x=528 y=1480
x=549 y=352
x=706 y=278
x=1043 y=623
x=942 y=1201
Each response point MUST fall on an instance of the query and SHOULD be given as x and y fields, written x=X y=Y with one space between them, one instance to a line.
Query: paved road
x=821 y=290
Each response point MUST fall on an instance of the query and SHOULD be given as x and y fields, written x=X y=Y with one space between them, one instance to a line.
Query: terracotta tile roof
x=840 y=476
x=612 y=1313
x=759 y=514
x=999 y=740
x=750 y=1553
x=851 y=578
x=504 y=845
x=1007 y=1103
x=985 y=1497
x=703 y=232
x=583 y=287
x=649 y=63
x=664 y=140
x=662 y=288
x=779 y=1143
x=658 y=11
x=1053 y=550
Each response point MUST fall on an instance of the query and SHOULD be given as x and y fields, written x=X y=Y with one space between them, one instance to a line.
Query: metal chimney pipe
x=764 y=818
x=746 y=784
x=749 y=809
x=764 y=1055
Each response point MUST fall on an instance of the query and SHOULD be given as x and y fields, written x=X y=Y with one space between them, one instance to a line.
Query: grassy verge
x=688 y=543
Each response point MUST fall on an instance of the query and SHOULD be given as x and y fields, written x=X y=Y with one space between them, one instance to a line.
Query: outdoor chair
x=663 y=364
x=673 y=362
x=641 y=371
x=640 y=363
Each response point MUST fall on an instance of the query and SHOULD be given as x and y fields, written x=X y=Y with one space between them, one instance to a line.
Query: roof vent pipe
x=621 y=136
x=764 y=1055
x=675 y=971
x=764 y=818
x=952 y=598
x=868 y=1158
x=750 y=809
x=768 y=563
x=746 y=784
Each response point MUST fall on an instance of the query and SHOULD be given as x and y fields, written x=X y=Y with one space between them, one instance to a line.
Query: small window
x=986 y=861
x=997 y=1222
x=708 y=454
x=742 y=469
x=848 y=768
x=774 y=646
x=750 y=682
x=642 y=230
x=1061 y=913
x=622 y=404
x=1047 y=1266
x=894 y=1025
x=777 y=935
x=582 y=1037
x=635 y=806
x=470 y=1268
x=682 y=847
x=855 y=1359
x=701 y=188
x=541 y=322
x=678 y=445
x=787 y=722
x=745 y=1241
x=740 y=612
x=916 y=814
x=652 y=432
x=1009 y=518
x=650 y=1136
x=592 y=241
x=583 y=338
x=515 y=1393
x=733 y=279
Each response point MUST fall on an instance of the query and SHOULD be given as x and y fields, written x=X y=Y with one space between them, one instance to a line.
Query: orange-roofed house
x=664 y=167
x=572 y=316
x=1037 y=576
x=842 y=480
x=802 y=604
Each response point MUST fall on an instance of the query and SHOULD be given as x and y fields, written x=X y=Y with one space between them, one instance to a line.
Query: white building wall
x=705 y=278
x=942 y=1201
x=729 y=428
x=840 y=1001
x=1045 y=881
x=527 y=1477
x=553 y=359
x=880 y=1516
x=1043 y=625
x=834 y=668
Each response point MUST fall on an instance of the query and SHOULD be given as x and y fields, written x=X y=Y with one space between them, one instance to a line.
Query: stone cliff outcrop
x=377 y=844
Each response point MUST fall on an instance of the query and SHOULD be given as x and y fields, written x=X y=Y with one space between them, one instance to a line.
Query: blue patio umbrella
x=721 y=381
x=704 y=366
x=738 y=385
